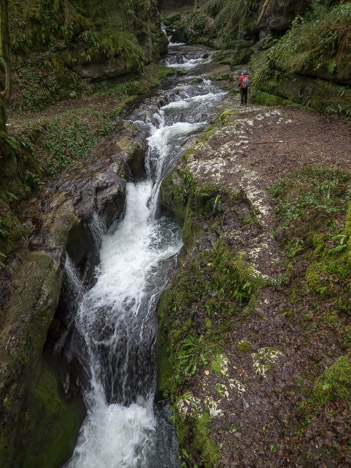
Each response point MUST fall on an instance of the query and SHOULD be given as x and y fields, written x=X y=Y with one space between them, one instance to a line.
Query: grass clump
x=318 y=43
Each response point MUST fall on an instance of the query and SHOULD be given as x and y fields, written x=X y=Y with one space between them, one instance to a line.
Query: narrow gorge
x=175 y=268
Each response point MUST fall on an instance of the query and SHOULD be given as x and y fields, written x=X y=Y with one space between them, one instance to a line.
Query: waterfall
x=116 y=319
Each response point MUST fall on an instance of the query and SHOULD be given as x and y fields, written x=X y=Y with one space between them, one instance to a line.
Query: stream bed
x=116 y=319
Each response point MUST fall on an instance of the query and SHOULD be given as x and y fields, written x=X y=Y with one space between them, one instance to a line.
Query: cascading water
x=116 y=319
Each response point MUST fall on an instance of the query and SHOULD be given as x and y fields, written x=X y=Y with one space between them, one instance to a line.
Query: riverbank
x=255 y=327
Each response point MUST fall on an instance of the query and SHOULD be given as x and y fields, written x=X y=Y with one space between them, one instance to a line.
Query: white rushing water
x=115 y=311
x=116 y=318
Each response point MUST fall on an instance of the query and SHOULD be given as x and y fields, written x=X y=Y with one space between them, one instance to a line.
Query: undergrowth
x=313 y=209
x=319 y=44
x=214 y=288
x=51 y=41
x=310 y=199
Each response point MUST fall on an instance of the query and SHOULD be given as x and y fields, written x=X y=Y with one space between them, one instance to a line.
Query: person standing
x=244 y=83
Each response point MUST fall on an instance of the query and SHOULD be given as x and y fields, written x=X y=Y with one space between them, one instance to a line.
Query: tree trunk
x=67 y=9
x=5 y=48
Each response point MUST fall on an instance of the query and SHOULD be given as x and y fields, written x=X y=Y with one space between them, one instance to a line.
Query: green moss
x=27 y=316
x=334 y=383
x=223 y=77
x=310 y=199
x=10 y=229
x=244 y=346
x=331 y=316
x=348 y=231
x=189 y=201
x=174 y=195
x=208 y=323
x=202 y=443
x=225 y=116
x=316 y=240
x=316 y=278
x=266 y=99
x=347 y=337
x=191 y=229
x=215 y=282
x=48 y=427
x=63 y=228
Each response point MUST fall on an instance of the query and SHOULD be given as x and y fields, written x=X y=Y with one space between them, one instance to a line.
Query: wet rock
x=35 y=291
x=103 y=193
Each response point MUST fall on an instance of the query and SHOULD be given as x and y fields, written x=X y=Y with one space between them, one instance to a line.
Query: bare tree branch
x=264 y=7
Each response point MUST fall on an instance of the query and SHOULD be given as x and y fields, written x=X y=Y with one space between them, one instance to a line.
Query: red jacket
x=241 y=80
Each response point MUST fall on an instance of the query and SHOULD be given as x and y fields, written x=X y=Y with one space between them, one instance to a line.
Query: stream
x=116 y=319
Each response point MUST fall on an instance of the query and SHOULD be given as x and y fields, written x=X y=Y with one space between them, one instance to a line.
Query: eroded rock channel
x=115 y=323
x=102 y=230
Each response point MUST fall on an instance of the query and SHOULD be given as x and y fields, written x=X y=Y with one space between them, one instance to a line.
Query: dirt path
x=253 y=420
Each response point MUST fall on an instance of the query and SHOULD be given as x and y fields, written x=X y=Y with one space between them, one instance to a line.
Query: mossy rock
x=202 y=443
x=267 y=99
x=27 y=317
x=48 y=427
x=11 y=229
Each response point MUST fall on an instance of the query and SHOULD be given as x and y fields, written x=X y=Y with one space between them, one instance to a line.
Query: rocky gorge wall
x=84 y=45
x=39 y=421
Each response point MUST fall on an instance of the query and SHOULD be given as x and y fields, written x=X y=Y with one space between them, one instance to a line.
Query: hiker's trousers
x=243 y=95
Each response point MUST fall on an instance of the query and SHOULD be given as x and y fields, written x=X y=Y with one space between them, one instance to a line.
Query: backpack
x=245 y=82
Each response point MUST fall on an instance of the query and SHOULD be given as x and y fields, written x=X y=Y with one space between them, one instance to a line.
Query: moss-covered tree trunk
x=5 y=48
